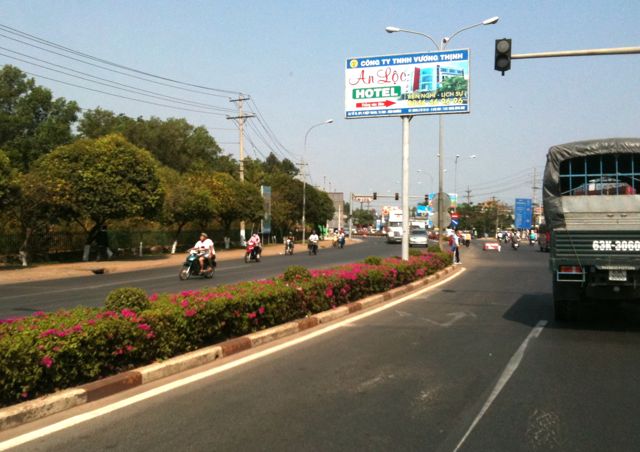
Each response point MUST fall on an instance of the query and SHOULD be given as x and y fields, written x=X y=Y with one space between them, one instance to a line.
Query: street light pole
x=304 y=178
x=442 y=46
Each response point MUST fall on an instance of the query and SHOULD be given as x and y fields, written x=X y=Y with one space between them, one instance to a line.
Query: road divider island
x=47 y=352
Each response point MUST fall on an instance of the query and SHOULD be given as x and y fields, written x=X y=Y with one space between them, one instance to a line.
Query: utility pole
x=303 y=168
x=495 y=201
x=468 y=192
x=240 y=118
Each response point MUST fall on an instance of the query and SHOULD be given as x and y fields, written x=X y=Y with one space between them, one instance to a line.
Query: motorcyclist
x=341 y=238
x=256 y=242
x=313 y=239
x=289 y=242
x=205 y=247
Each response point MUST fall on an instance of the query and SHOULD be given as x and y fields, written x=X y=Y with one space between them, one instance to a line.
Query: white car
x=418 y=237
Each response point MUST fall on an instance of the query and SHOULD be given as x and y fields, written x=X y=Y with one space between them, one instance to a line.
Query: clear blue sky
x=289 y=56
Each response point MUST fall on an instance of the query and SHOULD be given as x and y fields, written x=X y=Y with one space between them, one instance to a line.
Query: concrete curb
x=32 y=410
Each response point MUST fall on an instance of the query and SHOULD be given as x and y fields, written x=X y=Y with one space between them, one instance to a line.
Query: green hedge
x=46 y=352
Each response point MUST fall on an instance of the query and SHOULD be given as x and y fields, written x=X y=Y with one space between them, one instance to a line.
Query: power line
x=110 y=63
x=124 y=97
x=113 y=70
x=114 y=84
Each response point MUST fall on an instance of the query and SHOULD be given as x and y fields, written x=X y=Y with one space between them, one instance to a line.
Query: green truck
x=592 y=209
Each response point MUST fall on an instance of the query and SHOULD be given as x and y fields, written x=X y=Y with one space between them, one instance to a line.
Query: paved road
x=413 y=377
x=25 y=298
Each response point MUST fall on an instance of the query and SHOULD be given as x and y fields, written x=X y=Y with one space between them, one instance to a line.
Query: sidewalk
x=43 y=272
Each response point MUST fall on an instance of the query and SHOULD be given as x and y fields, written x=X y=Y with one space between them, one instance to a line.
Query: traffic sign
x=455 y=216
x=363 y=199
x=407 y=84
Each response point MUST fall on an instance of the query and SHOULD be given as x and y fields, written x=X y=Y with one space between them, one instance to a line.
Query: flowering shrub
x=50 y=351
x=127 y=298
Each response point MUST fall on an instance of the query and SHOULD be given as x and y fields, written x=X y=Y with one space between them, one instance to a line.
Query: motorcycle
x=288 y=247
x=313 y=248
x=515 y=245
x=191 y=266
x=252 y=253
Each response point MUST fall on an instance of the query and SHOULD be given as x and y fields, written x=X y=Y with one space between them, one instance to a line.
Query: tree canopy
x=32 y=121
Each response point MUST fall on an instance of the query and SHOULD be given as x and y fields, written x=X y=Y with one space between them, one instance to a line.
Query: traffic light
x=397 y=196
x=375 y=195
x=503 y=55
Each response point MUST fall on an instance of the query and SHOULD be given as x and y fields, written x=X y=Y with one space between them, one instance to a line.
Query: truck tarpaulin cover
x=552 y=199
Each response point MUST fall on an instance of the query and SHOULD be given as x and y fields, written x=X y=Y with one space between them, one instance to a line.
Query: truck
x=592 y=210
x=394 y=226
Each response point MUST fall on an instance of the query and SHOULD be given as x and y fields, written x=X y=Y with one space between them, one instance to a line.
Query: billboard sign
x=407 y=84
x=523 y=211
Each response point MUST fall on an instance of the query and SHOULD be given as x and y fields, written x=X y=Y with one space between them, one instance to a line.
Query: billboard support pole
x=405 y=187
x=350 y=215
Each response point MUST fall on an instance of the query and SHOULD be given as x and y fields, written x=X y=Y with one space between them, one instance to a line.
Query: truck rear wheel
x=565 y=294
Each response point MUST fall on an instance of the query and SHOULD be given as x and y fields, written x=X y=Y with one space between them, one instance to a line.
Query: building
x=431 y=78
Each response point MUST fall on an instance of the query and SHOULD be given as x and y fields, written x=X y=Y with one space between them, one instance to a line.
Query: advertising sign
x=523 y=211
x=266 y=221
x=407 y=84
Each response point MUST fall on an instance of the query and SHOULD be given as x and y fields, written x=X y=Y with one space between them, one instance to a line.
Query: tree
x=452 y=84
x=7 y=180
x=235 y=200
x=319 y=208
x=363 y=217
x=174 y=142
x=93 y=181
x=32 y=121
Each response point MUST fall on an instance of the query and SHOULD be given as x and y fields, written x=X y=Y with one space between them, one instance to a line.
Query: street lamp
x=443 y=44
x=304 y=178
x=455 y=177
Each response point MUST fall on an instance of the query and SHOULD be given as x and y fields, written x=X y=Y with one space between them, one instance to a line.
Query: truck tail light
x=576 y=269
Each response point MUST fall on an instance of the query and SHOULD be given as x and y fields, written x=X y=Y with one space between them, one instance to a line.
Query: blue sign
x=524 y=213
x=421 y=211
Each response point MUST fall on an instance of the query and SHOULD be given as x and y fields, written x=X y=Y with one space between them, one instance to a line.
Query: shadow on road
x=594 y=316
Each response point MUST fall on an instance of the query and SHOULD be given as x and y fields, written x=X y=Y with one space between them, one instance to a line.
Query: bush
x=46 y=352
x=127 y=298
x=373 y=260
x=434 y=249
x=294 y=272
x=413 y=252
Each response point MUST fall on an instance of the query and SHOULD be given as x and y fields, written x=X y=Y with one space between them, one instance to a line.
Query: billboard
x=523 y=211
x=407 y=84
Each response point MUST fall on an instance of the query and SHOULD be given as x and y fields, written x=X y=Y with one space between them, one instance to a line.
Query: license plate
x=617 y=275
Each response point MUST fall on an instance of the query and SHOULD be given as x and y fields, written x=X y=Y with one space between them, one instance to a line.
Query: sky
x=290 y=58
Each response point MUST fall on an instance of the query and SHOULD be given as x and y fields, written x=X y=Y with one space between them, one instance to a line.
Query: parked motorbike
x=191 y=266
x=313 y=248
x=252 y=253
x=288 y=247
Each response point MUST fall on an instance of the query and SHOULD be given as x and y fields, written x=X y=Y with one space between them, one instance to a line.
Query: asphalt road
x=26 y=298
x=417 y=376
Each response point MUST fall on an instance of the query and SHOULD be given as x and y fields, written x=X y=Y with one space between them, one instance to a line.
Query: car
x=418 y=237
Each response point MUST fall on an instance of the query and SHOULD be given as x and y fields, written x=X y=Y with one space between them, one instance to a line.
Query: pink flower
x=91 y=322
x=130 y=348
x=24 y=394
x=144 y=326
x=252 y=315
x=261 y=310
x=151 y=335
x=77 y=328
x=190 y=312
x=329 y=292
x=47 y=361
x=184 y=303
x=39 y=314
x=56 y=349
x=128 y=313
x=153 y=297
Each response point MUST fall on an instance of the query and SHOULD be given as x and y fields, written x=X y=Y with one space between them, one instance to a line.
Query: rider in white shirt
x=313 y=238
x=205 y=245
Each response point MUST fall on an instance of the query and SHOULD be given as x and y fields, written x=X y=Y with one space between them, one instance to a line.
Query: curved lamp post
x=304 y=178
x=442 y=46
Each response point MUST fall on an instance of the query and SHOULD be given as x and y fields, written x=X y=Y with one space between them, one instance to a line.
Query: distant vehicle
x=418 y=237
x=394 y=227
x=592 y=209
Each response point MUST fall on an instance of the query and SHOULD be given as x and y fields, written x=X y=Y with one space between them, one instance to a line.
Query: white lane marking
x=507 y=373
x=455 y=316
x=84 y=417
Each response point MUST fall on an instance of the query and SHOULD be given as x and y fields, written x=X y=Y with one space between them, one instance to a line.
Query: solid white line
x=84 y=417
x=507 y=373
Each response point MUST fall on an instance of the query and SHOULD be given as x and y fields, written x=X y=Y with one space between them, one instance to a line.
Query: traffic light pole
x=577 y=53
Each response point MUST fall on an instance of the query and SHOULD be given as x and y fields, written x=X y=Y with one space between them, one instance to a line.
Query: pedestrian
x=102 y=240
x=454 y=247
